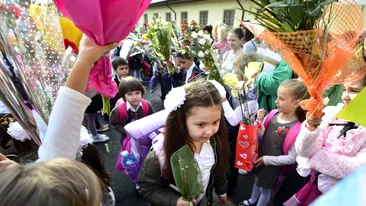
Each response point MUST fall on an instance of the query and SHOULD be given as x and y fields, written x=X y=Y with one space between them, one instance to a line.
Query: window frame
x=200 y=20
x=232 y=20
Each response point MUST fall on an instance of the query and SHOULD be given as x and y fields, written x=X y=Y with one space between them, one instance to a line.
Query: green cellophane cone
x=186 y=173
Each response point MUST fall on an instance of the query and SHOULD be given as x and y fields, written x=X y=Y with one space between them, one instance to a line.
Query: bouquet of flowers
x=202 y=48
x=318 y=39
x=161 y=34
x=247 y=140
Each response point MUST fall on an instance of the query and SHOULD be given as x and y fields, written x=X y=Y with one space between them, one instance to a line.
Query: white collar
x=129 y=107
x=189 y=72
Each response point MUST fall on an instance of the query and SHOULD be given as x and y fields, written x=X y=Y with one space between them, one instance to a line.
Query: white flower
x=158 y=20
x=206 y=36
x=201 y=54
x=161 y=27
x=200 y=33
x=155 y=27
x=194 y=35
x=207 y=52
x=175 y=99
x=210 y=41
x=202 y=41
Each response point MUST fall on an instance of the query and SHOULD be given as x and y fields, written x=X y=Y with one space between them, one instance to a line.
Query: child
x=52 y=181
x=188 y=70
x=91 y=157
x=133 y=108
x=331 y=146
x=235 y=38
x=92 y=119
x=271 y=155
x=120 y=67
x=234 y=117
x=195 y=119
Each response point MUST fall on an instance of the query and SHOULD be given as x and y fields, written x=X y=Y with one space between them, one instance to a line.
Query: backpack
x=122 y=108
x=291 y=134
x=127 y=144
x=287 y=144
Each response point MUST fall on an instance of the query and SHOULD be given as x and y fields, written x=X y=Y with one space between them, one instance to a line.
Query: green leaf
x=281 y=4
x=316 y=12
x=296 y=13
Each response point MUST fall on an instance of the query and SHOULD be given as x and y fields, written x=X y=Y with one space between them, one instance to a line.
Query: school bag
x=128 y=143
x=291 y=134
x=287 y=144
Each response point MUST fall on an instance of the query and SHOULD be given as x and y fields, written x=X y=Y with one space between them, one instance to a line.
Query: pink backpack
x=287 y=144
x=126 y=144
x=291 y=134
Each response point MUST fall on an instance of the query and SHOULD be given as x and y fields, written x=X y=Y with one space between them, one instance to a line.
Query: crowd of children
x=201 y=114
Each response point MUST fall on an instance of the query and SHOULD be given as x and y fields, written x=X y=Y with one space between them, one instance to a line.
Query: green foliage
x=186 y=173
x=289 y=15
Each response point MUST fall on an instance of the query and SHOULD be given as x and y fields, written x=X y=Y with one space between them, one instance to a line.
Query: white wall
x=215 y=10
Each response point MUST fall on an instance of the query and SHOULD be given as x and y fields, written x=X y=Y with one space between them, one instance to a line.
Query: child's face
x=234 y=41
x=351 y=90
x=203 y=123
x=133 y=98
x=185 y=63
x=285 y=102
x=122 y=71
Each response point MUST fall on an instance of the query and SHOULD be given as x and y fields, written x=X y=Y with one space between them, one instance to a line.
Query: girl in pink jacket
x=332 y=147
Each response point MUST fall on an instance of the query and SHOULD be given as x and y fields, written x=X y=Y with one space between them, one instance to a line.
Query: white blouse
x=228 y=61
x=205 y=160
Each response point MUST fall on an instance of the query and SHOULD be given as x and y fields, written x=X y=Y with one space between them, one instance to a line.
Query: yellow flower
x=145 y=37
x=252 y=70
x=231 y=80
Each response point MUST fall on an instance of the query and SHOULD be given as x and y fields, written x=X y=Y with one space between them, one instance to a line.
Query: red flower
x=285 y=129
x=193 y=22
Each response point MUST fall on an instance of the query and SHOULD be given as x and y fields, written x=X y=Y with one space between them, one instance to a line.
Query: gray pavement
x=123 y=187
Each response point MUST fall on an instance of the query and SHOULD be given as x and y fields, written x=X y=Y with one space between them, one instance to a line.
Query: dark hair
x=185 y=42
x=91 y=157
x=248 y=34
x=129 y=84
x=298 y=91
x=208 y=28
x=199 y=93
x=118 y=61
x=238 y=32
x=184 y=55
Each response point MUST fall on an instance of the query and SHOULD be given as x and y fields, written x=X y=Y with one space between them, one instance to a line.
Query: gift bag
x=246 y=147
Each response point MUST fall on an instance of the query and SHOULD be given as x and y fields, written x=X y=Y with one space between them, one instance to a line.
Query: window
x=203 y=17
x=146 y=20
x=184 y=15
x=229 y=17
x=168 y=16
x=156 y=15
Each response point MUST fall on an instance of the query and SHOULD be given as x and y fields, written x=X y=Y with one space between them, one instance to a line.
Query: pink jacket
x=223 y=46
x=322 y=151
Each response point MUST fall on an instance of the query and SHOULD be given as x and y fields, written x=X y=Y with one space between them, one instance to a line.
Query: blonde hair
x=243 y=60
x=214 y=31
x=56 y=182
x=222 y=32
x=298 y=91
